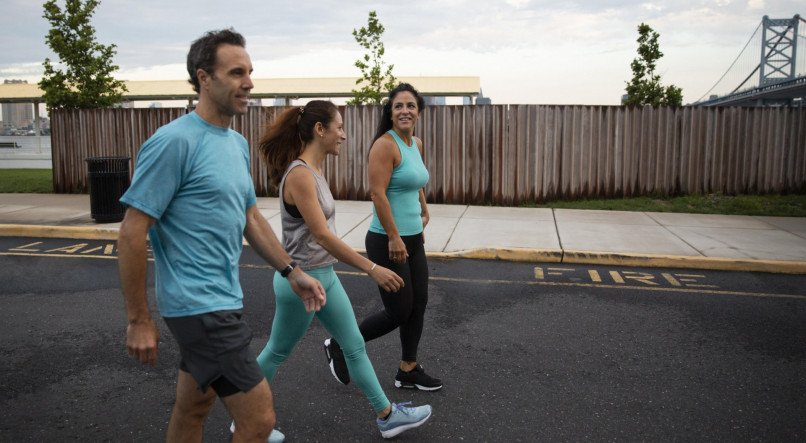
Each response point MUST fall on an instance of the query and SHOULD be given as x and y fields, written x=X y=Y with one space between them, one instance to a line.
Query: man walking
x=193 y=197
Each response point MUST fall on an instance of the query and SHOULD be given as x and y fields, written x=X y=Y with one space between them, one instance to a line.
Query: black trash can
x=109 y=180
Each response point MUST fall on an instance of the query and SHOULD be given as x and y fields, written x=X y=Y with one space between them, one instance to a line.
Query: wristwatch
x=287 y=270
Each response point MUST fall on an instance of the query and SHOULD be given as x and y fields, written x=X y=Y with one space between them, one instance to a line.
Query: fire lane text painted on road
x=623 y=277
x=51 y=248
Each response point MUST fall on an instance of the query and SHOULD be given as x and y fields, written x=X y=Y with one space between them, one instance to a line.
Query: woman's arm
x=261 y=237
x=423 y=206
x=300 y=190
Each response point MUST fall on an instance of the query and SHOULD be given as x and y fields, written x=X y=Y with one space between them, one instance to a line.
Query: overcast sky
x=524 y=51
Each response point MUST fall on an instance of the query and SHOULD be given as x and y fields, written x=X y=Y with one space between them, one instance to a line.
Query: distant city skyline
x=524 y=51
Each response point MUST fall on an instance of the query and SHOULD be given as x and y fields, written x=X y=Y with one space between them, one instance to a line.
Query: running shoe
x=275 y=436
x=403 y=418
x=417 y=379
x=335 y=359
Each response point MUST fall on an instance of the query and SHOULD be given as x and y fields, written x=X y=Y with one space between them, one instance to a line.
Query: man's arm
x=141 y=334
x=262 y=239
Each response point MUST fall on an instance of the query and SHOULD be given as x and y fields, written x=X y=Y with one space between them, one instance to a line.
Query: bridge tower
x=779 y=41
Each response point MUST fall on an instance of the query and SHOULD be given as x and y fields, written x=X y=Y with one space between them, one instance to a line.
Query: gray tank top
x=298 y=240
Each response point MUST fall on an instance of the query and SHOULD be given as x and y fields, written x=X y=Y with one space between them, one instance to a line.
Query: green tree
x=375 y=78
x=645 y=87
x=83 y=76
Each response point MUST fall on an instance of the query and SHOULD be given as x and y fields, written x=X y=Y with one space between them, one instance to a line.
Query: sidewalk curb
x=74 y=232
x=504 y=254
x=684 y=261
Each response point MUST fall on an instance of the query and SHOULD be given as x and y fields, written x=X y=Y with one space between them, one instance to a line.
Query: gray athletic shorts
x=215 y=351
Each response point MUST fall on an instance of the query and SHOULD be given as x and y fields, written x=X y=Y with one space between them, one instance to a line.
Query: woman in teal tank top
x=397 y=176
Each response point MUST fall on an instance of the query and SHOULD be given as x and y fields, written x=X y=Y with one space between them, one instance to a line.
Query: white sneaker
x=275 y=436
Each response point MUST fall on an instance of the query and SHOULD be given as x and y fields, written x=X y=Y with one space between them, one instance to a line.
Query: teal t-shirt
x=403 y=191
x=193 y=179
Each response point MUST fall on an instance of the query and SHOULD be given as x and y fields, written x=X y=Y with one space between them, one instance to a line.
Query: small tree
x=645 y=87
x=86 y=81
x=375 y=79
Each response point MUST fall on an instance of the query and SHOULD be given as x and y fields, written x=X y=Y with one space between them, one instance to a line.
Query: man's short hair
x=202 y=54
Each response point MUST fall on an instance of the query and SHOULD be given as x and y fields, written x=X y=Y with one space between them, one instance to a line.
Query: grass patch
x=36 y=181
x=791 y=205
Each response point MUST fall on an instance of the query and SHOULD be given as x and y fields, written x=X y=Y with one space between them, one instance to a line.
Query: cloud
x=23 y=71
x=755 y=4
x=525 y=51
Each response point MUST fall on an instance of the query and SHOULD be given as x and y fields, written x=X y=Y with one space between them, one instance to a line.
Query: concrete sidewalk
x=746 y=243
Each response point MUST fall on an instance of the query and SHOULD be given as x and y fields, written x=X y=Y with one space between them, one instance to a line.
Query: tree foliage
x=82 y=78
x=376 y=78
x=645 y=87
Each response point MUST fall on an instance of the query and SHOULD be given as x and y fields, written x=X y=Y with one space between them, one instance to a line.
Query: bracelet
x=373 y=267
x=288 y=269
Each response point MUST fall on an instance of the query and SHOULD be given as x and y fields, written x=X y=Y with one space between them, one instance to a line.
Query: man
x=193 y=196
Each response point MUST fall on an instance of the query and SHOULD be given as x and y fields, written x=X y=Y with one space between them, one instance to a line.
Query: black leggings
x=405 y=308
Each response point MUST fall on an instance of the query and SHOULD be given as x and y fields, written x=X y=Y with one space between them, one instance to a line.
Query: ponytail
x=286 y=137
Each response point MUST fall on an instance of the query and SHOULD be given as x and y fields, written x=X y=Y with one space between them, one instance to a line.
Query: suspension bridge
x=769 y=71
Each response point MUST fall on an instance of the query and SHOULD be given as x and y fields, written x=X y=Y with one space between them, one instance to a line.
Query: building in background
x=434 y=100
x=17 y=115
x=482 y=100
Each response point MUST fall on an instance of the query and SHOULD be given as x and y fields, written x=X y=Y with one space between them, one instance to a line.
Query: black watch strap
x=287 y=270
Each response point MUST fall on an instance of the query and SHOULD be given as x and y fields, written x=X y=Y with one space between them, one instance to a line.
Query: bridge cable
x=732 y=64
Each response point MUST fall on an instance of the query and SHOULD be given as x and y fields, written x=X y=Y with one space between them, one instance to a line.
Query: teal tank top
x=403 y=191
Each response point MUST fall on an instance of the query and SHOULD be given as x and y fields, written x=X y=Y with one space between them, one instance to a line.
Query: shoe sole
x=279 y=437
x=398 y=430
x=331 y=365
x=399 y=384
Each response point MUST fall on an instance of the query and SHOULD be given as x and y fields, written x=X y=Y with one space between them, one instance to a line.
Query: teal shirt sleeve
x=158 y=174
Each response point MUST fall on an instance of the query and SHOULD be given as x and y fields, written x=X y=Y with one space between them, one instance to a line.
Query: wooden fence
x=510 y=154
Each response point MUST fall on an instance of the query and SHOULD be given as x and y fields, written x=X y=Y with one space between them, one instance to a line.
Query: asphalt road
x=528 y=352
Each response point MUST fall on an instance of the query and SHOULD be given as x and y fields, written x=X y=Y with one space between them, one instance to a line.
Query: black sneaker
x=417 y=379
x=335 y=359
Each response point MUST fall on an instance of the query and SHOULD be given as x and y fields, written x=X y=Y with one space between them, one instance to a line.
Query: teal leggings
x=291 y=321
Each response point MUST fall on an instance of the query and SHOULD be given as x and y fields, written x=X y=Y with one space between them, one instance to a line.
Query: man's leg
x=190 y=410
x=253 y=412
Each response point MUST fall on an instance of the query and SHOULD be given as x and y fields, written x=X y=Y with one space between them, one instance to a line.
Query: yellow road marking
x=72 y=249
x=583 y=285
x=494 y=281
x=27 y=248
x=616 y=277
x=58 y=255
x=673 y=281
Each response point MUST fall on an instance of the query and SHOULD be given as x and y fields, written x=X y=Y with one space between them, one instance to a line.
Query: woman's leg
x=412 y=328
x=338 y=318
x=291 y=320
x=411 y=375
x=397 y=305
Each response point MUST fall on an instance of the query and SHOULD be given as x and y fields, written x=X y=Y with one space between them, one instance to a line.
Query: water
x=29 y=145
x=34 y=152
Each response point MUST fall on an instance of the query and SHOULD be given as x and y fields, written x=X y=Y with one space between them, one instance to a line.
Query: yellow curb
x=684 y=261
x=505 y=254
x=77 y=232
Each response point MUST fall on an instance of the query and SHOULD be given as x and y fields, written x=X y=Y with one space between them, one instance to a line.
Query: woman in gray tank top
x=294 y=148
